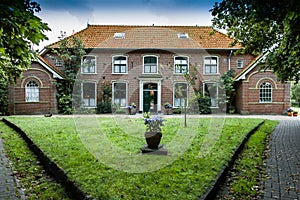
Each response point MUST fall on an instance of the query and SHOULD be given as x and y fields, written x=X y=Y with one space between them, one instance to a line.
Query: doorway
x=150 y=93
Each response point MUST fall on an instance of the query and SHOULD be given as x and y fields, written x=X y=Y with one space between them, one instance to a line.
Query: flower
x=132 y=105
x=168 y=105
x=289 y=110
x=153 y=124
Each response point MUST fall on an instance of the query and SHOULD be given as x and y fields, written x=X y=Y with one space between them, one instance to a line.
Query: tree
x=296 y=93
x=70 y=51
x=19 y=27
x=270 y=26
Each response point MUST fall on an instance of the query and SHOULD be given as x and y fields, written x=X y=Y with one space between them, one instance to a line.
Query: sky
x=73 y=15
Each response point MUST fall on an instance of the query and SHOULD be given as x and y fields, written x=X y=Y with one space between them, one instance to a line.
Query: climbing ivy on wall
x=70 y=51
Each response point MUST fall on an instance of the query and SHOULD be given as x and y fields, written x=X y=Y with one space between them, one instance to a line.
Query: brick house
x=146 y=65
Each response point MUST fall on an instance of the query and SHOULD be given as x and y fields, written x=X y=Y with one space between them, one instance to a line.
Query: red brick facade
x=164 y=44
x=248 y=94
x=47 y=92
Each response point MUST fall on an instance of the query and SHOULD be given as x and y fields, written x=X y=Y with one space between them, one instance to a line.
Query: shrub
x=103 y=107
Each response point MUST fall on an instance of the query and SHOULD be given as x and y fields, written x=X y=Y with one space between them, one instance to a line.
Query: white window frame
x=217 y=95
x=181 y=64
x=265 y=92
x=88 y=71
x=84 y=100
x=144 y=71
x=32 y=91
x=240 y=64
x=59 y=62
x=125 y=101
x=181 y=100
x=217 y=65
x=114 y=63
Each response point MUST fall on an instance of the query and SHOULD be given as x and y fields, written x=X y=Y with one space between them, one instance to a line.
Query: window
x=58 y=62
x=182 y=35
x=119 y=35
x=240 y=64
x=180 y=94
x=150 y=64
x=119 y=94
x=89 y=94
x=181 y=65
x=211 y=90
x=32 y=92
x=119 y=64
x=211 y=65
x=265 y=92
x=88 y=65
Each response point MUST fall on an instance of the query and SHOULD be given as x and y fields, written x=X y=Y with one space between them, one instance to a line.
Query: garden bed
x=82 y=148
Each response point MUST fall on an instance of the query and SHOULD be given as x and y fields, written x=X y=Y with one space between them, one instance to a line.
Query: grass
x=26 y=167
x=247 y=171
x=102 y=155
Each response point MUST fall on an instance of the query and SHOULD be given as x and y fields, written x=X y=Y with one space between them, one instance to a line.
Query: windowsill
x=88 y=73
x=211 y=74
x=119 y=73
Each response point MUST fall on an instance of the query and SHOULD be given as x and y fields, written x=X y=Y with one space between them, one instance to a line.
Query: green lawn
x=102 y=155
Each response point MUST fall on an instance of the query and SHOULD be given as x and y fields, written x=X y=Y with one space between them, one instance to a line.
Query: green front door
x=147 y=100
x=150 y=97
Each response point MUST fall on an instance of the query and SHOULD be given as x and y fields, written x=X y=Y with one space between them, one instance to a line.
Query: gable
x=242 y=75
x=55 y=72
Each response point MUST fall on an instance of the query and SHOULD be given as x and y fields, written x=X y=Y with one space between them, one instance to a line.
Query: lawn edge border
x=72 y=191
x=215 y=186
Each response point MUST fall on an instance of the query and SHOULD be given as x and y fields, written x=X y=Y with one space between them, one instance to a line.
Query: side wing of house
x=259 y=92
x=35 y=91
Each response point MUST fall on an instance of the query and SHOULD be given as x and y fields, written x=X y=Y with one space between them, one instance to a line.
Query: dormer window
x=182 y=35
x=119 y=35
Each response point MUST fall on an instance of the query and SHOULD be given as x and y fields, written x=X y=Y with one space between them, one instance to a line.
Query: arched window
x=265 y=92
x=32 y=92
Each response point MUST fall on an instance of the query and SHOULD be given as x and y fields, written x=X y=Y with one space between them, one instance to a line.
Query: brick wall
x=248 y=92
x=47 y=93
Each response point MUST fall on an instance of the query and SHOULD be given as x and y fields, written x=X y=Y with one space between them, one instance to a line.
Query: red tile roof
x=161 y=37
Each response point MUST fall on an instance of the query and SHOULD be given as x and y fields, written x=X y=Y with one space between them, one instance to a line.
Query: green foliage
x=227 y=84
x=204 y=104
x=295 y=92
x=190 y=173
x=3 y=97
x=71 y=52
x=268 y=26
x=34 y=181
x=18 y=28
x=104 y=105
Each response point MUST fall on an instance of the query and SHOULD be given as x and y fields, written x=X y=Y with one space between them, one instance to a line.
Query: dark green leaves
x=19 y=28
x=264 y=26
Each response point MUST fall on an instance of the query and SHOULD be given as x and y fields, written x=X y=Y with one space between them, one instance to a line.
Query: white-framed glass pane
x=123 y=68
x=211 y=90
x=120 y=64
x=89 y=94
x=265 y=93
x=32 y=92
x=211 y=65
x=119 y=94
x=88 y=64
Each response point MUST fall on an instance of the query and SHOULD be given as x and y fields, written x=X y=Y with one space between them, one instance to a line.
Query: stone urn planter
x=153 y=139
